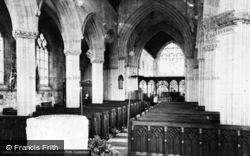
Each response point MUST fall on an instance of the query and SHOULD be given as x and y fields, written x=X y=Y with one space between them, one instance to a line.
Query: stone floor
x=120 y=143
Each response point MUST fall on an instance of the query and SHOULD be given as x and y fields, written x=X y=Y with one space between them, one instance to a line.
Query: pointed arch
x=170 y=12
x=70 y=24
x=23 y=15
x=92 y=31
x=161 y=27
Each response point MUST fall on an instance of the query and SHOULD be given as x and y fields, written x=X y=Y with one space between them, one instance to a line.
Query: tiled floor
x=120 y=143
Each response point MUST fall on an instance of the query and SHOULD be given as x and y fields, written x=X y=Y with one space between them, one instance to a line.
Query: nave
x=185 y=129
x=106 y=63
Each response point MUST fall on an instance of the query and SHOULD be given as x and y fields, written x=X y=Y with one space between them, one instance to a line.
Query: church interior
x=152 y=77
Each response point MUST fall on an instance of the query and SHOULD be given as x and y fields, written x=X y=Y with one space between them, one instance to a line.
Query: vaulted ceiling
x=115 y=4
x=157 y=42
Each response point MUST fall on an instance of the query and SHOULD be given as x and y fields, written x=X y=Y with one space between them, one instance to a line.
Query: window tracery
x=42 y=59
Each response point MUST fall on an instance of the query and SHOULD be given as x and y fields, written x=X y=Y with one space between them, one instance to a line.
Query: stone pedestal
x=97 y=81
x=72 y=79
x=72 y=129
x=26 y=76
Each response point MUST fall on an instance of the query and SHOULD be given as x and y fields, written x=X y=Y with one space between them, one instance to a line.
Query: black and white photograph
x=125 y=77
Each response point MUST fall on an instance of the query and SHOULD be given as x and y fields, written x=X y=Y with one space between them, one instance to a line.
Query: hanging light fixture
x=80 y=3
x=131 y=53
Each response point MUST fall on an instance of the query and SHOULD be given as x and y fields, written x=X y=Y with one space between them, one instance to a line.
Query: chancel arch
x=159 y=22
x=168 y=11
x=163 y=29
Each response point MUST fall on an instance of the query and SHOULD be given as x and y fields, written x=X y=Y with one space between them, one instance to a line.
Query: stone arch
x=70 y=24
x=53 y=14
x=92 y=31
x=168 y=11
x=6 y=23
x=23 y=15
x=149 y=34
x=159 y=53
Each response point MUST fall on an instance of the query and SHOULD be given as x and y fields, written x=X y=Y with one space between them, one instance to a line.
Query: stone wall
x=7 y=99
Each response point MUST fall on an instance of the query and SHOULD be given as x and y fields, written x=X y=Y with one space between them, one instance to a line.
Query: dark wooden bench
x=171 y=138
x=189 y=118
x=103 y=117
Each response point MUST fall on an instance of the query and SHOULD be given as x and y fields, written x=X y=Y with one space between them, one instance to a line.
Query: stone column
x=26 y=75
x=189 y=79
x=201 y=82
x=97 y=81
x=155 y=67
x=226 y=72
x=131 y=82
x=72 y=79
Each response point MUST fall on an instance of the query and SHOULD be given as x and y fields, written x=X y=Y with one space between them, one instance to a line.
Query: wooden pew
x=12 y=130
x=168 y=138
x=102 y=117
x=196 y=118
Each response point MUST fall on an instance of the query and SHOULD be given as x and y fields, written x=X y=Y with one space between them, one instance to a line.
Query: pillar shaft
x=72 y=80
x=25 y=65
x=225 y=67
x=131 y=82
x=97 y=81
x=189 y=79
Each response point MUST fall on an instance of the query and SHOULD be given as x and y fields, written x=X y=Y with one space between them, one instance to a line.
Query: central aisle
x=120 y=143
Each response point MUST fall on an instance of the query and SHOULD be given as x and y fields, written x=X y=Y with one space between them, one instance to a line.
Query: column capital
x=97 y=60
x=201 y=59
x=121 y=58
x=189 y=58
x=24 y=34
x=72 y=52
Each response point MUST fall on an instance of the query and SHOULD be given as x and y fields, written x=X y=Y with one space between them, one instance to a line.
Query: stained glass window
x=42 y=59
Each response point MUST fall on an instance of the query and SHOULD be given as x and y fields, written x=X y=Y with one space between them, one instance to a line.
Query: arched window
x=120 y=82
x=171 y=61
x=42 y=60
x=143 y=86
x=162 y=87
x=174 y=86
x=1 y=60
